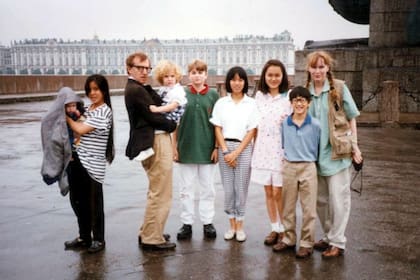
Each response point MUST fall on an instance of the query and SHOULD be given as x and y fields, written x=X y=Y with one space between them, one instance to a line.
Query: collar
x=308 y=120
x=246 y=98
x=325 y=89
x=134 y=80
x=202 y=92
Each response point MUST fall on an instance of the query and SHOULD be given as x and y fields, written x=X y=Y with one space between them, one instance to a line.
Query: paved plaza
x=35 y=220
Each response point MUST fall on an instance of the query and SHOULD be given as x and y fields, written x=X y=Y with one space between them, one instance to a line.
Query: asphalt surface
x=35 y=220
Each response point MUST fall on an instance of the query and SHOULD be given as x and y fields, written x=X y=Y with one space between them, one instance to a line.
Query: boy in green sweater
x=196 y=152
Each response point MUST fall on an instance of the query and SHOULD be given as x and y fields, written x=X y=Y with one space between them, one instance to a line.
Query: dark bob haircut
x=300 y=92
x=284 y=84
x=102 y=84
x=231 y=74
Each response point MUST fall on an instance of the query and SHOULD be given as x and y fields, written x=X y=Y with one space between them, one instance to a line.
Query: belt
x=233 y=140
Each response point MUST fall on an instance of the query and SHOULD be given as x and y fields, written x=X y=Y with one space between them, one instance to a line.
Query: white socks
x=277 y=227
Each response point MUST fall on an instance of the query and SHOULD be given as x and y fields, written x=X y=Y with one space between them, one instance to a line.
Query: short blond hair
x=198 y=65
x=163 y=68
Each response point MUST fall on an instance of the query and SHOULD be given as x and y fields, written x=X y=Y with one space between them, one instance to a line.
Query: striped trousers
x=235 y=181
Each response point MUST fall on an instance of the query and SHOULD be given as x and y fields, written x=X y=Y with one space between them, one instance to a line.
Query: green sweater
x=195 y=133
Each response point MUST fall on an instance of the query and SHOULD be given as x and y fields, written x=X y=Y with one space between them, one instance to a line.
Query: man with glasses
x=149 y=129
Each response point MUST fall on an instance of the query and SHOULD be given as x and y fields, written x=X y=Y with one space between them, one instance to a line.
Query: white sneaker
x=240 y=236
x=145 y=154
x=230 y=234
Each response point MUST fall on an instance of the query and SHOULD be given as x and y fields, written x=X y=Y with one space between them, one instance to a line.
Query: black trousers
x=87 y=201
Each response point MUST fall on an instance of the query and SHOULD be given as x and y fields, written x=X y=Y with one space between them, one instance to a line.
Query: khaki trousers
x=299 y=181
x=159 y=197
x=333 y=206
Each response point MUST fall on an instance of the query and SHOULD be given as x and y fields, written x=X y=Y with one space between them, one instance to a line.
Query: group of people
x=281 y=139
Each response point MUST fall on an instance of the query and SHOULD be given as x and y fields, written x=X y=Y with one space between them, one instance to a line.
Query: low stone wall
x=365 y=69
x=17 y=84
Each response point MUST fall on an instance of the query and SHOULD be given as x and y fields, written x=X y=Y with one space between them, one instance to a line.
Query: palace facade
x=55 y=56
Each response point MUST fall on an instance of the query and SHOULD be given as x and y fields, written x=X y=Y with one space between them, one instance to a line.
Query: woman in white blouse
x=235 y=120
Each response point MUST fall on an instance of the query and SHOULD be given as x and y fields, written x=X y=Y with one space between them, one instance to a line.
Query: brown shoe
x=321 y=245
x=332 y=252
x=281 y=246
x=271 y=239
x=304 y=253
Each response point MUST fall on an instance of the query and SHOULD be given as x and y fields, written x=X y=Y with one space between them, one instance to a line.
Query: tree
x=10 y=71
x=249 y=71
x=62 y=72
x=37 y=71
x=212 y=72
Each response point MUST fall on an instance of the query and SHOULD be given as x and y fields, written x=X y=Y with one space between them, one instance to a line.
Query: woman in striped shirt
x=88 y=166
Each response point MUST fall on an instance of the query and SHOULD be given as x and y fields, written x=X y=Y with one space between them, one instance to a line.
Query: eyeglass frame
x=142 y=68
x=301 y=100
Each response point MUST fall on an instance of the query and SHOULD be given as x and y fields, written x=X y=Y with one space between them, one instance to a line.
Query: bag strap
x=359 y=191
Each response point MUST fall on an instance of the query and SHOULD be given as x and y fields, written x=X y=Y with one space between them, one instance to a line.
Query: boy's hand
x=214 y=156
x=175 y=153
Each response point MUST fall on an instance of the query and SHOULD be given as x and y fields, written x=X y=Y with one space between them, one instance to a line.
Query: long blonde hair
x=312 y=60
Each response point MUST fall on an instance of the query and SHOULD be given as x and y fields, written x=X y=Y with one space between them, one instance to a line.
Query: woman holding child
x=88 y=166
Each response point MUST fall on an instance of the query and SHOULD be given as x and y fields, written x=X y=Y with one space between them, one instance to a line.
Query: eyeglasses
x=142 y=68
x=299 y=100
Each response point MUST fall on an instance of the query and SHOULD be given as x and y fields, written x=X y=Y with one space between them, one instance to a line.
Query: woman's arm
x=79 y=127
x=357 y=154
x=232 y=156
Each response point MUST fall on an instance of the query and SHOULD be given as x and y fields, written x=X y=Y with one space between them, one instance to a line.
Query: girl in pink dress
x=273 y=106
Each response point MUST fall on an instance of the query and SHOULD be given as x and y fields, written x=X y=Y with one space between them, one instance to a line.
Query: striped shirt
x=92 y=146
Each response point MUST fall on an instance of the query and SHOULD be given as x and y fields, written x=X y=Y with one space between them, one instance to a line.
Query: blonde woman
x=334 y=200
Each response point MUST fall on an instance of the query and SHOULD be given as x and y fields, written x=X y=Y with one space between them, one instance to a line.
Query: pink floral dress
x=268 y=152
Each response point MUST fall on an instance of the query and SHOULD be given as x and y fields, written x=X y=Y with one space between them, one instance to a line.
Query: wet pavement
x=383 y=232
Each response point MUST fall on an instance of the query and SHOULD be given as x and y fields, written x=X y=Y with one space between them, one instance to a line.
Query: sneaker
x=304 y=253
x=209 y=231
x=271 y=238
x=96 y=246
x=145 y=154
x=281 y=247
x=230 y=234
x=185 y=232
x=76 y=243
x=321 y=245
x=240 y=236
x=332 y=252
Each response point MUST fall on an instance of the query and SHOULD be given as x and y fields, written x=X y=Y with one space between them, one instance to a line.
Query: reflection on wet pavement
x=35 y=220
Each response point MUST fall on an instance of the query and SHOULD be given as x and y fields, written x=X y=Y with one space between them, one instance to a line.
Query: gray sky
x=165 y=19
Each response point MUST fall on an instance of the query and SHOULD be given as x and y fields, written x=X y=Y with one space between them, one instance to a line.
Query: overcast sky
x=165 y=19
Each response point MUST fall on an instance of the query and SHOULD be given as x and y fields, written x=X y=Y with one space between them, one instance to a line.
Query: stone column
x=389 y=103
x=220 y=87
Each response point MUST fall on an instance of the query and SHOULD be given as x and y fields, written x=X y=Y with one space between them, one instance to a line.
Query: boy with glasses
x=300 y=138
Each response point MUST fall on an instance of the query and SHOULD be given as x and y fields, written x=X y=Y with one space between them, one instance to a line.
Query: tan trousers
x=159 y=197
x=299 y=181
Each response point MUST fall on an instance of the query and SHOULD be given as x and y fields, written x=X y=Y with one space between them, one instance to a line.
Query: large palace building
x=52 y=56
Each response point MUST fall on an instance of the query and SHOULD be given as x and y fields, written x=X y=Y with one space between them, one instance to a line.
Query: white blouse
x=236 y=119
